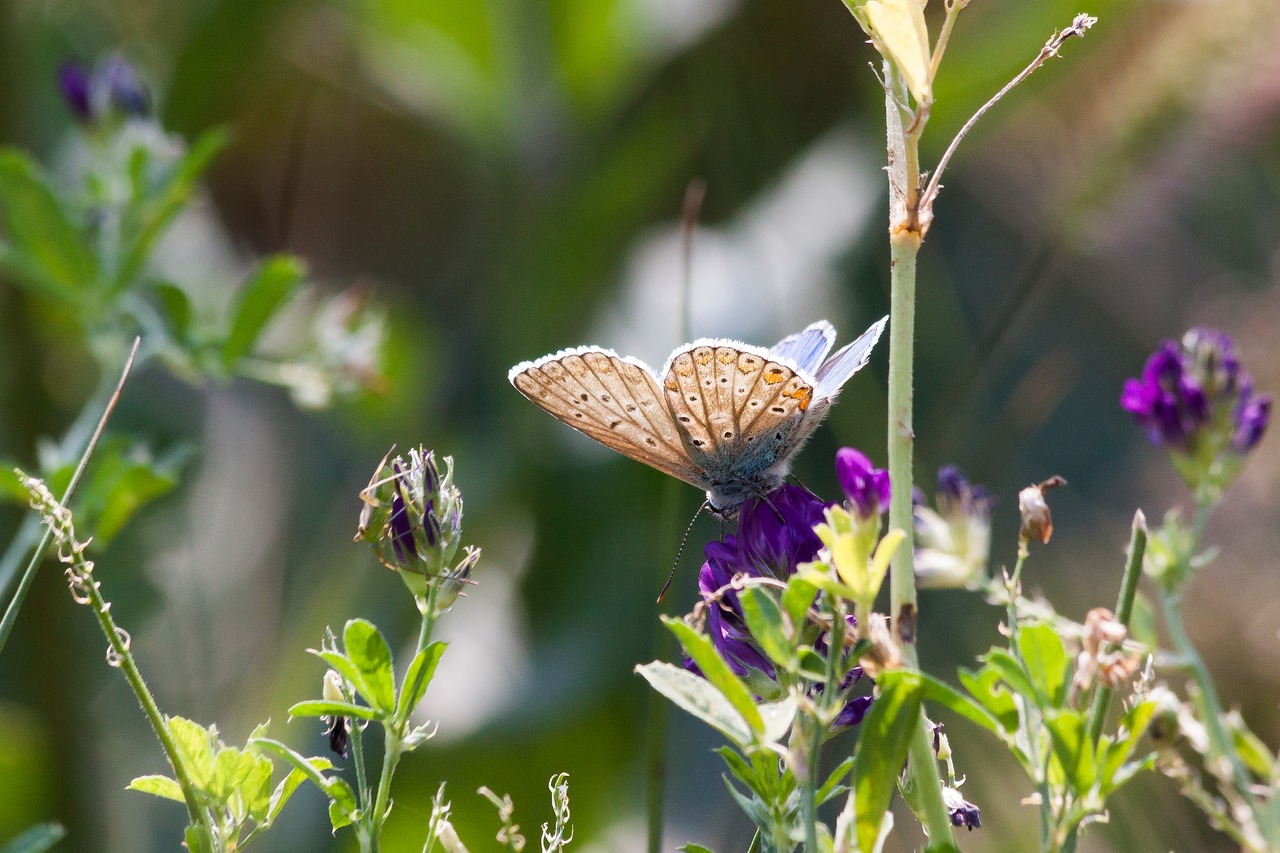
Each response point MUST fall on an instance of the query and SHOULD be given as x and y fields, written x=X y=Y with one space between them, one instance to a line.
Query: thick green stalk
x=902 y=130
x=904 y=245
x=1124 y=612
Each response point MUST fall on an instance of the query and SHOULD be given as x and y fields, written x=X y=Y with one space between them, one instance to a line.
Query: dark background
x=508 y=175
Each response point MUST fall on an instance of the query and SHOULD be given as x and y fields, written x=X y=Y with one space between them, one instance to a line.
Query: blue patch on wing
x=808 y=348
x=847 y=361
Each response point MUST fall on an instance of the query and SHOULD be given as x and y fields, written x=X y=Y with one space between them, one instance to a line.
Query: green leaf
x=764 y=620
x=175 y=309
x=1071 y=744
x=695 y=848
x=698 y=697
x=195 y=749
x=259 y=300
x=948 y=697
x=339 y=816
x=1046 y=662
x=342 y=664
x=48 y=250
x=991 y=694
x=797 y=598
x=1011 y=672
x=417 y=678
x=230 y=769
x=255 y=790
x=832 y=786
x=153 y=212
x=37 y=839
x=1131 y=728
x=338 y=791
x=882 y=748
x=369 y=652
x=282 y=793
x=717 y=672
x=325 y=708
x=158 y=786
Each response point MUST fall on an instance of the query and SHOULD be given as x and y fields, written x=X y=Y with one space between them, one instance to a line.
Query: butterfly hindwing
x=734 y=405
x=807 y=348
x=614 y=400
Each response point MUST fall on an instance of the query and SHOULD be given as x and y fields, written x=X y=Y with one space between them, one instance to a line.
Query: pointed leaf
x=259 y=300
x=368 y=650
x=698 y=697
x=158 y=786
x=717 y=672
x=37 y=839
x=882 y=748
x=764 y=621
x=797 y=598
x=321 y=708
x=1012 y=673
x=1071 y=744
x=195 y=746
x=417 y=678
x=832 y=786
x=1046 y=662
x=985 y=686
x=47 y=250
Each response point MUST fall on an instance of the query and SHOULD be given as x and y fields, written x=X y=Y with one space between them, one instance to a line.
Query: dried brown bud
x=1037 y=521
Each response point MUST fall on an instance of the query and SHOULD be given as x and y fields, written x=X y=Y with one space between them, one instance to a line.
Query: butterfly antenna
x=763 y=497
x=679 y=551
x=693 y=196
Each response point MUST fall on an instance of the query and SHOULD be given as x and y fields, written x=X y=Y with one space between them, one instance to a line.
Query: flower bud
x=412 y=518
x=866 y=486
x=1037 y=521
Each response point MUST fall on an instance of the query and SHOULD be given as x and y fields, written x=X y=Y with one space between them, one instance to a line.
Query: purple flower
x=111 y=87
x=775 y=535
x=1195 y=398
x=73 y=83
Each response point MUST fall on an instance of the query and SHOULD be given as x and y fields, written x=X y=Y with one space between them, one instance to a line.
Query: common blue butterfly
x=722 y=415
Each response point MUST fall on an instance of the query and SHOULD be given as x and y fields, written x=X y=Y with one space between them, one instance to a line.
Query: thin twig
x=37 y=557
x=1078 y=27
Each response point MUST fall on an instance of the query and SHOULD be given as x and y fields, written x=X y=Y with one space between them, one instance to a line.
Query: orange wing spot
x=682 y=368
x=703 y=356
x=773 y=375
x=727 y=356
x=672 y=384
x=804 y=394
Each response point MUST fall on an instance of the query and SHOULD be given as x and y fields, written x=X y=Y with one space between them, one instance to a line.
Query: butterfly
x=722 y=415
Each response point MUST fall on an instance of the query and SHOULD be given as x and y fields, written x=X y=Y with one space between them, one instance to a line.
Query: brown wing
x=614 y=400
x=735 y=406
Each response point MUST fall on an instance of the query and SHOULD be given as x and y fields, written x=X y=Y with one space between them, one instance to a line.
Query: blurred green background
x=507 y=175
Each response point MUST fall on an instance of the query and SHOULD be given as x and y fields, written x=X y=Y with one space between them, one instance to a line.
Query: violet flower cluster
x=775 y=536
x=1196 y=399
x=110 y=88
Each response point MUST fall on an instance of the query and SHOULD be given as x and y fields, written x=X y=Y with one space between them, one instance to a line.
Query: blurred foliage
x=504 y=176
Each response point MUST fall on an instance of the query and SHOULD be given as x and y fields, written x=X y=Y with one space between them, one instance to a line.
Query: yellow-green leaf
x=900 y=33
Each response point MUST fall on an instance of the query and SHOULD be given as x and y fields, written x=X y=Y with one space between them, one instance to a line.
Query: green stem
x=394 y=733
x=1124 y=612
x=809 y=788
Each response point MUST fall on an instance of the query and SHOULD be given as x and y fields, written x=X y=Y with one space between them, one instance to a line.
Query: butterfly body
x=723 y=416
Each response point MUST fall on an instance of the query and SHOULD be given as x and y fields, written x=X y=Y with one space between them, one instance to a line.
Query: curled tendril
x=115 y=651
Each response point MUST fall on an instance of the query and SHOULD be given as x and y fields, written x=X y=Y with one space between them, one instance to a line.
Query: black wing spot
x=577 y=414
x=604 y=398
x=755 y=402
x=631 y=408
x=697 y=442
x=778 y=436
x=684 y=419
x=779 y=410
x=728 y=433
x=651 y=442
x=585 y=397
x=724 y=380
x=614 y=425
x=693 y=398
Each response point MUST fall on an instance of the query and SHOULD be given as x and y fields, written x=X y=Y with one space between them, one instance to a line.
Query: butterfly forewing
x=614 y=400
